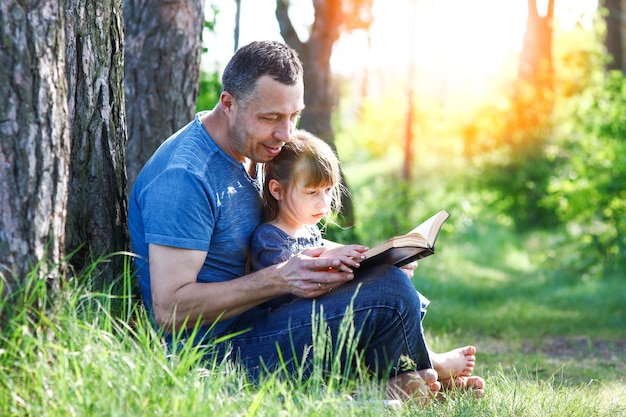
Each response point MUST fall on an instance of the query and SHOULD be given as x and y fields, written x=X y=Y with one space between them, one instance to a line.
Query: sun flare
x=450 y=44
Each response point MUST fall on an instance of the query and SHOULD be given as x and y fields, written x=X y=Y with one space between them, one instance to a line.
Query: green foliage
x=210 y=85
x=588 y=189
x=210 y=89
x=519 y=173
x=370 y=129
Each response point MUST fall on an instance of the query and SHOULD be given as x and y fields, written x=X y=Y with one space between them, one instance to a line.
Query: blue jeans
x=387 y=318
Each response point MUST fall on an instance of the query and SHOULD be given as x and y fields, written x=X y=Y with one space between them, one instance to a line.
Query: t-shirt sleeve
x=178 y=211
x=268 y=248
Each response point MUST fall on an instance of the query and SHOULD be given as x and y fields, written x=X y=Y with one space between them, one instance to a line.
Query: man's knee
x=389 y=286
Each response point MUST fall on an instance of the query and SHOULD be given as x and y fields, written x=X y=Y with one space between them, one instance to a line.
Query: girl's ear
x=275 y=190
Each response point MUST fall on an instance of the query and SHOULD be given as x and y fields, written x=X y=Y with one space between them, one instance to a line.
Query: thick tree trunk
x=163 y=44
x=96 y=221
x=320 y=98
x=35 y=140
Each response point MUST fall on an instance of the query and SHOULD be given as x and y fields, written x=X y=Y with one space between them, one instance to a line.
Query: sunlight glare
x=456 y=44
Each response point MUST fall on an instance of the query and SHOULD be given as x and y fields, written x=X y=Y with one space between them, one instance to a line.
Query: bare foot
x=455 y=370
x=458 y=362
x=475 y=384
x=416 y=385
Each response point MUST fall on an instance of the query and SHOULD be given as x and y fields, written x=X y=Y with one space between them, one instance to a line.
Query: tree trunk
x=535 y=90
x=35 y=140
x=237 y=24
x=615 y=34
x=536 y=58
x=163 y=44
x=96 y=221
x=320 y=98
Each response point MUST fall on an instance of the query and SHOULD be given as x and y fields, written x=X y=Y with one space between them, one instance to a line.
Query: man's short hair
x=257 y=59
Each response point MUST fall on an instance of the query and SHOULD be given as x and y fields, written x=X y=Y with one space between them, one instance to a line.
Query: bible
x=401 y=250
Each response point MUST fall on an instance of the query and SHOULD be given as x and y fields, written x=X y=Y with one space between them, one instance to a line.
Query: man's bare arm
x=177 y=297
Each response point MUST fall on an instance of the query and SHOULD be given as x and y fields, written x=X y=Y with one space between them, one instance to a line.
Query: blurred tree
x=331 y=19
x=535 y=91
x=615 y=34
x=163 y=44
x=588 y=189
x=509 y=143
x=237 y=23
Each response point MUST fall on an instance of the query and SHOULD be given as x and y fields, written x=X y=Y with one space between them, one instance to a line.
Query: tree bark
x=320 y=96
x=35 y=140
x=96 y=221
x=163 y=44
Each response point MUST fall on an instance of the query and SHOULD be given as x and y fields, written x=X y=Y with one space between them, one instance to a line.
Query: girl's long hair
x=306 y=157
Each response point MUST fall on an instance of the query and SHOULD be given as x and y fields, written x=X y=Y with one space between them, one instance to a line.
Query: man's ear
x=275 y=189
x=227 y=101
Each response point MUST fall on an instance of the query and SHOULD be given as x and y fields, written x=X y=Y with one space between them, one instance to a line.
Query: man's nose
x=284 y=130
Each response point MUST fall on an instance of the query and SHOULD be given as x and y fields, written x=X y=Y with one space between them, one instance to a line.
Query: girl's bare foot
x=415 y=385
x=458 y=362
x=465 y=383
x=476 y=384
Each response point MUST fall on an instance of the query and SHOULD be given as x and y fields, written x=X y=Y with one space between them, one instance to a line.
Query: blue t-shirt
x=271 y=245
x=193 y=195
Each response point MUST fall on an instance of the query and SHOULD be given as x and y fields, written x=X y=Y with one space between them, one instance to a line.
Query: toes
x=475 y=383
x=428 y=375
x=470 y=350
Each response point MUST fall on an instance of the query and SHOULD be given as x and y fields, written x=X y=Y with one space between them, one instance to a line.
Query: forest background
x=532 y=169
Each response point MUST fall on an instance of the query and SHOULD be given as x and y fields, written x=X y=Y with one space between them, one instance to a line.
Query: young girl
x=301 y=188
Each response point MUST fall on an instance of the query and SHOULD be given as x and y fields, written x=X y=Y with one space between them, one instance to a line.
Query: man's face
x=267 y=121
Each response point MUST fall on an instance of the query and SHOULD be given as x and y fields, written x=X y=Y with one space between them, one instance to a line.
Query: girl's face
x=304 y=205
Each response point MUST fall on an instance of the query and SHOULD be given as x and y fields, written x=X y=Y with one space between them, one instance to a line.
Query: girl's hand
x=349 y=256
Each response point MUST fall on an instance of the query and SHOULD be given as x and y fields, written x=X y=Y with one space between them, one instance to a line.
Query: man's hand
x=307 y=275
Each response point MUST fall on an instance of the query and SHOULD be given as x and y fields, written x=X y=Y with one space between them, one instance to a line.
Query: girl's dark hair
x=256 y=59
x=306 y=157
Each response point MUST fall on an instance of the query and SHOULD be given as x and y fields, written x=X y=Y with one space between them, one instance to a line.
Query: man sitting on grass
x=192 y=212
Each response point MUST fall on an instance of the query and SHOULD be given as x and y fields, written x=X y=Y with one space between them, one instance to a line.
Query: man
x=192 y=212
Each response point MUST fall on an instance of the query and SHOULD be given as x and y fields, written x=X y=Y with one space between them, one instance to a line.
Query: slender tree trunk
x=35 y=140
x=237 y=24
x=163 y=44
x=536 y=64
x=535 y=89
x=615 y=34
x=96 y=221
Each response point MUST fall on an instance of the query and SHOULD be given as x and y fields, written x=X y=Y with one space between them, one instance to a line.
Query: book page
x=430 y=228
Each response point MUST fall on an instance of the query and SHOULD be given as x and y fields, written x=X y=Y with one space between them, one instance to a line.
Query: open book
x=401 y=250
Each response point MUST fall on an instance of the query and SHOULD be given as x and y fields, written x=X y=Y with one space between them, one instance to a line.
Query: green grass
x=551 y=341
